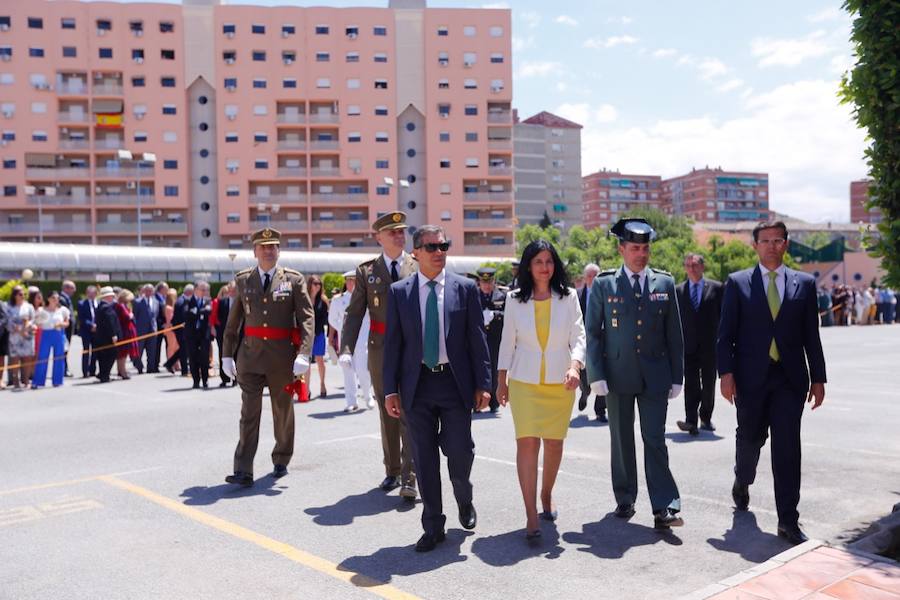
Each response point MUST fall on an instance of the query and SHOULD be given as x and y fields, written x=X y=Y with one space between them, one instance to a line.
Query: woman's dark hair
x=559 y=282
x=314 y=279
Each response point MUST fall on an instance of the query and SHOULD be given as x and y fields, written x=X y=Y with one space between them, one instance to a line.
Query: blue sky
x=662 y=86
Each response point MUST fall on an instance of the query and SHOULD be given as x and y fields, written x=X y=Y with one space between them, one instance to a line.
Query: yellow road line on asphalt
x=56 y=484
x=379 y=588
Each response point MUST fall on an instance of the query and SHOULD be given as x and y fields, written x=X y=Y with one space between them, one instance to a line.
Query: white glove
x=301 y=365
x=673 y=393
x=228 y=367
x=600 y=388
x=345 y=360
x=488 y=316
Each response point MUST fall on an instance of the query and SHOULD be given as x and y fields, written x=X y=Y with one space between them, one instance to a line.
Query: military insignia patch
x=371 y=279
x=659 y=297
x=396 y=218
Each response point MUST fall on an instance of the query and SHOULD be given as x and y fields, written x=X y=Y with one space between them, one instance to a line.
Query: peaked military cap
x=486 y=273
x=637 y=231
x=350 y=275
x=266 y=236
x=391 y=220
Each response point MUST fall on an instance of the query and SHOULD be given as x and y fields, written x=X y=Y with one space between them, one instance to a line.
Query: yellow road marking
x=379 y=588
x=55 y=484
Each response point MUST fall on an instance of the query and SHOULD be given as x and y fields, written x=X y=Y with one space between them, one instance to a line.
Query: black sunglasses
x=443 y=247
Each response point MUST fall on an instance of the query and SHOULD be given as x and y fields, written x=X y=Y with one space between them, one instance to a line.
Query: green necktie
x=432 y=325
x=774 y=306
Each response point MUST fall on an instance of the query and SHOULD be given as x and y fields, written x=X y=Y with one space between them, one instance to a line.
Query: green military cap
x=486 y=273
x=638 y=231
x=391 y=220
x=266 y=236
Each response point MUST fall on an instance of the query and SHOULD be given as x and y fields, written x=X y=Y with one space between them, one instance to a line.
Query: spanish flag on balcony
x=108 y=113
x=109 y=121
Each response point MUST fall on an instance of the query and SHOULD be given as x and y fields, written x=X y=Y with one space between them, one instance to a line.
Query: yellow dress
x=541 y=410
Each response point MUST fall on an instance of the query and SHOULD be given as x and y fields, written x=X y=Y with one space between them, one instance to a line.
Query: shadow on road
x=584 y=421
x=204 y=496
x=404 y=560
x=748 y=540
x=333 y=413
x=345 y=510
x=510 y=548
x=683 y=437
x=611 y=537
x=485 y=416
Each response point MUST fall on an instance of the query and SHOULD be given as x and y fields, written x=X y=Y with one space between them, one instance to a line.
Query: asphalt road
x=117 y=491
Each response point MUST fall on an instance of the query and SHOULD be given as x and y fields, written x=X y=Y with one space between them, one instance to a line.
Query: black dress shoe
x=468 y=518
x=429 y=541
x=205 y=385
x=582 y=402
x=280 y=471
x=170 y=370
x=687 y=426
x=391 y=482
x=240 y=478
x=223 y=384
x=196 y=385
x=624 y=511
x=666 y=519
x=707 y=426
x=740 y=493
x=792 y=533
x=602 y=418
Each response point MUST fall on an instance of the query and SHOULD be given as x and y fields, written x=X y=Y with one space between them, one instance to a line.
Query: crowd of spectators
x=852 y=305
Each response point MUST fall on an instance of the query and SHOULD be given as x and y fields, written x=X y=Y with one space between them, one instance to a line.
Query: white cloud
x=790 y=52
x=587 y=114
x=710 y=68
x=566 y=20
x=623 y=20
x=730 y=85
x=607 y=113
x=531 y=18
x=538 y=68
x=832 y=13
x=664 y=53
x=520 y=43
x=798 y=133
x=496 y=5
x=842 y=63
x=610 y=42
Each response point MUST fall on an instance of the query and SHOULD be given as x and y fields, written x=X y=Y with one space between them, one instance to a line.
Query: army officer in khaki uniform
x=272 y=309
x=373 y=279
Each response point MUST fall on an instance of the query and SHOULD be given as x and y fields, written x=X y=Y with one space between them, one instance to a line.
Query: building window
x=260 y=110
x=496 y=31
x=35 y=23
x=287 y=30
x=382 y=163
x=228 y=29
x=382 y=190
x=444 y=110
x=231 y=83
x=379 y=30
x=104 y=25
x=470 y=84
x=381 y=111
x=259 y=55
x=445 y=163
x=323 y=57
x=471 y=163
x=323 y=83
x=445 y=215
x=140 y=136
x=9 y=190
x=289 y=83
x=232 y=190
x=443 y=31
x=170 y=164
x=8 y=136
x=469 y=59
x=137 y=55
x=353 y=84
x=166 y=27
x=167 y=54
x=469 y=31
x=354 y=136
x=138 y=82
x=380 y=57
x=170 y=191
x=471 y=110
x=169 y=109
x=352 y=57
x=497 y=85
x=259 y=84
x=352 y=32
x=445 y=188
x=36 y=52
x=170 y=136
x=443 y=59
x=231 y=138
x=443 y=84
x=167 y=81
x=381 y=136
x=69 y=52
x=105 y=52
x=288 y=56
x=471 y=136
x=258 y=29
x=229 y=56
x=9 y=163
x=321 y=29
x=497 y=58
x=260 y=137
x=444 y=136
x=353 y=110
x=38 y=136
x=260 y=163
x=67 y=23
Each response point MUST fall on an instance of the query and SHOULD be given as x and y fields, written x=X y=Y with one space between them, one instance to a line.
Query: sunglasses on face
x=434 y=247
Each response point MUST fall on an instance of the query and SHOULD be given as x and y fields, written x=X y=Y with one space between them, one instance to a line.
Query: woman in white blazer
x=541 y=354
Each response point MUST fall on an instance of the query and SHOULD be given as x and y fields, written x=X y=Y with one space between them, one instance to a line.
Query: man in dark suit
x=86 y=329
x=107 y=333
x=181 y=306
x=146 y=310
x=65 y=299
x=584 y=294
x=223 y=306
x=197 y=334
x=493 y=303
x=437 y=367
x=161 y=292
x=700 y=303
x=768 y=334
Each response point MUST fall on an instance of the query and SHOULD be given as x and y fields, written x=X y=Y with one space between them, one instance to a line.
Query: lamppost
x=33 y=191
x=146 y=157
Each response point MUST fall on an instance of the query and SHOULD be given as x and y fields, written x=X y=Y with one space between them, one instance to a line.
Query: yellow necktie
x=774 y=306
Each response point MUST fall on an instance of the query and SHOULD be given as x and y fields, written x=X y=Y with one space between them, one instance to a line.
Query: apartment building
x=608 y=195
x=859 y=196
x=716 y=195
x=194 y=124
x=547 y=165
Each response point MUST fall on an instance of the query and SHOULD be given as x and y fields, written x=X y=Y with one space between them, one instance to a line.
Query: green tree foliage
x=873 y=87
x=332 y=281
x=6 y=289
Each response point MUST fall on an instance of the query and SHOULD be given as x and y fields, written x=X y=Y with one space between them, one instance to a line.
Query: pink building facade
x=859 y=196
x=310 y=120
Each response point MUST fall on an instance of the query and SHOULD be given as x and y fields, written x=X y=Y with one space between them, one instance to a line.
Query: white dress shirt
x=642 y=275
x=779 y=281
x=262 y=275
x=424 y=290
x=388 y=260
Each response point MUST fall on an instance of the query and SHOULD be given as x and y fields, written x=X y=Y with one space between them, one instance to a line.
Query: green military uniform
x=265 y=325
x=634 y=344
x=373 y=278
x=493 y=306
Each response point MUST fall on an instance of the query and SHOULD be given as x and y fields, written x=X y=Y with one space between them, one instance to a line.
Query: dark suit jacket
x=180 y=309
x=161 y=315
x=747 y=328
x=196 y=318
x=65 y=300
x=85 y=320
x=700 y=327
x=107 y=324
x=144 y=319
x=464 y=333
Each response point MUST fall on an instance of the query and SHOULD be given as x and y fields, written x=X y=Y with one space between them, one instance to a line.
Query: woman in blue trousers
x=53 y=320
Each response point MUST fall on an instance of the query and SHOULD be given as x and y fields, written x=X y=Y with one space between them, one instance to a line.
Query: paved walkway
x=811 y=571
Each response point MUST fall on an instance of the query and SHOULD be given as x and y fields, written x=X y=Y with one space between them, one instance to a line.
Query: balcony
x=500 y=170
x=57 y=174
x=504 y=117
x=500 y=144
x=107 y=89
x=74 y=144
x=50 y=201
x=72 y=117
x=146 y=227
x=353 y=199
x=291 y=172
x=324 y=118
x=33 y=228
x=490 y=249
x=290 y=118
x=340 y=224
x=324 y=145
x=123 y=200
x=74 y=87
x=291 y=145
x=284 y=226
x=278 y=199
x=488 y=197
x=122 y=173
x=109 y=144
x=504 y=224
x=325 y=172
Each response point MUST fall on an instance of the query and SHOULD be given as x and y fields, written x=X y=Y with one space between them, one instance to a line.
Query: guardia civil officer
x=272 y=309
x=636 y=354
x=373 y=281
x=493 y=303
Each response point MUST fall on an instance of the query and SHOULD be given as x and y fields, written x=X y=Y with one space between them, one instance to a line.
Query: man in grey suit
x=146 y=311
x=635 y=353
x=437 y=368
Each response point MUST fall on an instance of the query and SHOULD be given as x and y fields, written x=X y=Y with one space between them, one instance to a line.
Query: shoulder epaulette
x=366 y=263
x=291 y=271
x=660 y=271
x=607 y=272
x=244 y=271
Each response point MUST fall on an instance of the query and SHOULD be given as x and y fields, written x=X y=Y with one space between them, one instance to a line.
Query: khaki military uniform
x=373 y=278
x=262 y=335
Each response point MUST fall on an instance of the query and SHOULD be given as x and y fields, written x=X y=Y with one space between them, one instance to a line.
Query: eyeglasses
x=772 y=242
x=443 y=247
x=316 y=283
